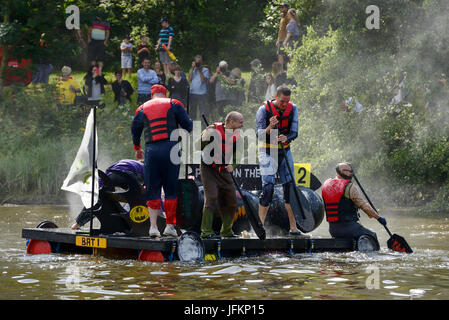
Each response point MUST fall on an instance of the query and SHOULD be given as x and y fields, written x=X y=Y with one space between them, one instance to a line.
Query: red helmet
x=157 y=88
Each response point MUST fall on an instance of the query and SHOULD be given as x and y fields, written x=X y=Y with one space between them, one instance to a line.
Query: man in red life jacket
x=342 y=200
x=282 y=115
x=159 y=117
x=219 y=159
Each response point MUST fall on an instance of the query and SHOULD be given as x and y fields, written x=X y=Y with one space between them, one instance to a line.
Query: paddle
x=396 y=242
x=253 y=217
x=305 y=221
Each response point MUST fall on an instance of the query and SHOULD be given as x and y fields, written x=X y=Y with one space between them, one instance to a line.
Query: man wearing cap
x=282 y=33
x=165 y=37
x=159 y=117
x=341 y=201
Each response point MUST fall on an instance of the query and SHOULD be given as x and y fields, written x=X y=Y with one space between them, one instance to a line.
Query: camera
x=197 y=64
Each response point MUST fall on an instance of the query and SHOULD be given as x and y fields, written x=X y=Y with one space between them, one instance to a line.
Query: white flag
x=79 y=179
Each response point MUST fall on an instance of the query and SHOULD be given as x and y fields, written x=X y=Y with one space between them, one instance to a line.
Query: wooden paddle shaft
x=369 y=201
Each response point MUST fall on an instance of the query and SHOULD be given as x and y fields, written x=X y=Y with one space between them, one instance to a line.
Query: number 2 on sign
x=302 y=174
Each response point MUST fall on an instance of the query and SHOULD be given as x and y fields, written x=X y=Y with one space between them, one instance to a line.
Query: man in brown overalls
x=218 y=160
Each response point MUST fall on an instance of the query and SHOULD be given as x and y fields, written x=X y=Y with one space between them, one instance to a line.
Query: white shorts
x=127 y=62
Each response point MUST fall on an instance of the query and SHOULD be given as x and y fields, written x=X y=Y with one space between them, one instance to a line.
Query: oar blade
x=398 y=243
x=299 y=202
x=253 y=217
x=315 y=183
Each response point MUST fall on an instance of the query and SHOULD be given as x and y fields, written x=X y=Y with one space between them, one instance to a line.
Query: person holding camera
x=198 y=77
x=222 y=80
x=94 y=83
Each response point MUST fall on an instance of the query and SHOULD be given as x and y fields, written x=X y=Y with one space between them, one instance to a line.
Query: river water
x=354 y=275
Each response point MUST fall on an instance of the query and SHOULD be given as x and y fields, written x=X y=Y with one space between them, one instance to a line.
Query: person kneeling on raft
x=129 y=165
x=342 y=200
x=216 y=170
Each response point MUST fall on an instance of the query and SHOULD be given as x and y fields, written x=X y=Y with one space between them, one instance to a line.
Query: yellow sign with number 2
x=302 y=174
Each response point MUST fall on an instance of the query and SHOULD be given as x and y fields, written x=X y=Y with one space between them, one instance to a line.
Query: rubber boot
x=226 y=226
x=206 y=223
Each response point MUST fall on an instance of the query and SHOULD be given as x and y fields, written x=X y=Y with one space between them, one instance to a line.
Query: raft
x=124 y=234
x=65 y=240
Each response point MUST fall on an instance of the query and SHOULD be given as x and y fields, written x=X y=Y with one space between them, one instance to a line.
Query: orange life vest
x=227 y=146
x=285 y=119
x=338 y=207
x=159 y=120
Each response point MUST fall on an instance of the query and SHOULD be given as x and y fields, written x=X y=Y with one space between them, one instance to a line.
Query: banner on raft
x=249 y=178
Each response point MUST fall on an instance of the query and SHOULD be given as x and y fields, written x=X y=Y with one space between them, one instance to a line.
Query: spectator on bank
x=178 y=86
x=143 y=49
x=270 y=90
x=94 y=83
x=42 y=63
x=237 y=91
x=172 y=66
x=292 y=29
x=257 y=83
x=165 y=37
x=222 y=80
x=67 y=87
x=122 y=89
x=160 y=74
x=280 y=76
x=97 y=37
x=126 y=47
x=282 y=33
x=146 y=78
x=199 y=77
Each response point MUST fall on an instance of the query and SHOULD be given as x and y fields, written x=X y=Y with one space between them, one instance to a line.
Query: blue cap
x=164 y=19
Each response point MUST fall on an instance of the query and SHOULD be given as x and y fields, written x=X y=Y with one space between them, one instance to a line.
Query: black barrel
x=277 y=217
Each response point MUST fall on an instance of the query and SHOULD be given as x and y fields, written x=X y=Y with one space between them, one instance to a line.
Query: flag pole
x=93 y=169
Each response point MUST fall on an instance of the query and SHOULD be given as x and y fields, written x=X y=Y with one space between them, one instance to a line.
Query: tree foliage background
x=401 y=149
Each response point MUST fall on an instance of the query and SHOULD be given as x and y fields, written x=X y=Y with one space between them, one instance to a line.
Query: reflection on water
x=353 y=275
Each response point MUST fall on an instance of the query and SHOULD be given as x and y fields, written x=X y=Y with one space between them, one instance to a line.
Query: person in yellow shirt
x=67 y=87
x=282 y=33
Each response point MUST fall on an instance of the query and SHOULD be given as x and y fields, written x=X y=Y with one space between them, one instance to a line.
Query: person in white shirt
x=127 y=56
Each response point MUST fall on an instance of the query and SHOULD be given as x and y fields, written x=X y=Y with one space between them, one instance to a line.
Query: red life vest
x=227 y=146
x=285 y=119
x=160 y=120
x=338 y=207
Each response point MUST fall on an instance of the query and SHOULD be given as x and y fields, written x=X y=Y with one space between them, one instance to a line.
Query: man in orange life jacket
x=282 y=115
x=342 y=200
x=218 y=160
x=159 y=117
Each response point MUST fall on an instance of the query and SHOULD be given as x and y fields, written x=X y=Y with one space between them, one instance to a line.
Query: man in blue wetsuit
x=159 y=117
x=132 y=166
x=280 y=114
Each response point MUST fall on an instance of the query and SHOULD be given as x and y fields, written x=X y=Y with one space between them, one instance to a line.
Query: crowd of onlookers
x=203 y=90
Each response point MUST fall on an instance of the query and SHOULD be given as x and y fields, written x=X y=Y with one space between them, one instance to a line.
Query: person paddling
x=342 y=200
x=282 y=115
x=216 y=171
